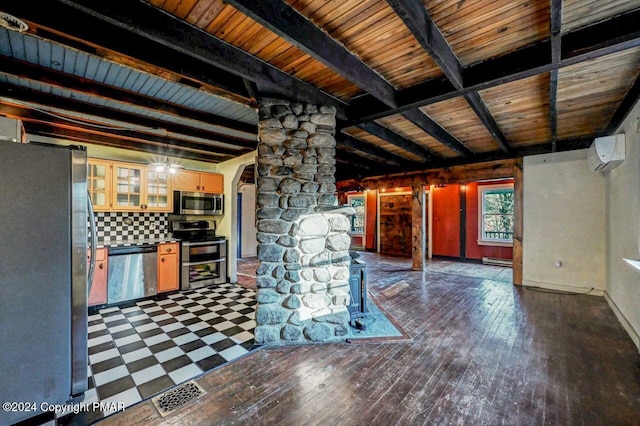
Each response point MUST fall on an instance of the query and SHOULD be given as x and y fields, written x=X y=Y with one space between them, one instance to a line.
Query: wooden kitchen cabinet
x=168 y=267
x=99 y=183
x=136 y=187
x=188 y=180
x=98 y=294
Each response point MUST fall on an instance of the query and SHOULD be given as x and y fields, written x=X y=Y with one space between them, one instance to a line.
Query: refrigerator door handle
x=92 y=260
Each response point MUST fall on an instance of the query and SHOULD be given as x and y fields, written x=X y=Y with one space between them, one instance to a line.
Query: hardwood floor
x=484 y=352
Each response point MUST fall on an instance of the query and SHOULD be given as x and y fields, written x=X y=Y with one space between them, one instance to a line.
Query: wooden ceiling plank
x=483 y=113
x=420 y=119
x=487 y=166
x=145 y=20
x=299 y=31
x=100 y=38
x=31 y=115
x=351 y=142
x=57 y=78
x=624 y=109
x=397 y=140
x=417 y=19
x=27 y=95
x=44 y=129
x=598 y=40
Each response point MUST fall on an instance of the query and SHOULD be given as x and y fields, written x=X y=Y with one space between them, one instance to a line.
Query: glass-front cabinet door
x=128 y=187
x=159 y=194
x=98 y=183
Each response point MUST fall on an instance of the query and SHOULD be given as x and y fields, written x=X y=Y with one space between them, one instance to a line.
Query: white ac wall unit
x=607 y=153
x=11 y=130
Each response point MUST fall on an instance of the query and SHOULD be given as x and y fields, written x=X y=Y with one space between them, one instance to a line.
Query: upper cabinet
x=136 y=187
x=186 y=180
x=131 y=187
x=99 y=183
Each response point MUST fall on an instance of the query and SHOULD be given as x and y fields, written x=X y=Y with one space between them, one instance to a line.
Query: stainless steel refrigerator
x=43 y=276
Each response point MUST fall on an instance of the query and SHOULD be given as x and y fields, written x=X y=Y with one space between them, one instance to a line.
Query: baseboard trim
x=571 y=289
x=635 y=337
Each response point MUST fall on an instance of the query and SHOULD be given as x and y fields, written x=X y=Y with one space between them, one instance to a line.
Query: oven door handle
x=203 y=263
x=206 y=243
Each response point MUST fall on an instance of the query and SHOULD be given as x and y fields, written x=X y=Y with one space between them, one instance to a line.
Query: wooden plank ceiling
x=418 y=84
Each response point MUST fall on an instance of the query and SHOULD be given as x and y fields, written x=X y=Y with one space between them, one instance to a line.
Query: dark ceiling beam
x=23 y=94
x=423 y=121
x=47 y=130
x=62 y=80
x=417 y=19
x=289 y=24
x=172 y=33
x=595 y=41
x=399 y=141
x=354 y=160
x=624 y=109
x=481 y=110
x=555 y=26
x=465 y=166
x=422 y=26
x=31 y=115
x=95 y=37
x=350 y=142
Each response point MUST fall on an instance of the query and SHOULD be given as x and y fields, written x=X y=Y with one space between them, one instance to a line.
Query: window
x=357 y=221
x=496 y=218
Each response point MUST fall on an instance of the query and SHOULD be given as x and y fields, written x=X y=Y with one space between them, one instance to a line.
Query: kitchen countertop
x=139 y=242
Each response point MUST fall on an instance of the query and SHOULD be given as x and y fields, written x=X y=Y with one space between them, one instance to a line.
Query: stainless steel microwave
x=197 y=203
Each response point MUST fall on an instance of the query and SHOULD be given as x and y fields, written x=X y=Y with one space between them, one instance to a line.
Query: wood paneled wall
x=395 y=224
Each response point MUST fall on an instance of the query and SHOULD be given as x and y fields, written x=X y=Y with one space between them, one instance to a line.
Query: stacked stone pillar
x=302 y=277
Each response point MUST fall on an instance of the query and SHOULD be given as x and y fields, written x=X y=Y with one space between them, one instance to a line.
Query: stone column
x=303 y=273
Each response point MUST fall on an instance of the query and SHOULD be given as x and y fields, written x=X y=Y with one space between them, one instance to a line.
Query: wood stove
x=358 y=287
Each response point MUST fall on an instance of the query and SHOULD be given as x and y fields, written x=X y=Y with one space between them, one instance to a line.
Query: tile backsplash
x=126 y=226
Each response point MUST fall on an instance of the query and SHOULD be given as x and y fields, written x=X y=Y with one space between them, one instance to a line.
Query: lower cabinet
x=98 y=294
x=168 y=267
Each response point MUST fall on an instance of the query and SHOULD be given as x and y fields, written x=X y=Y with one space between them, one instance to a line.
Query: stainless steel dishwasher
x=133 y=273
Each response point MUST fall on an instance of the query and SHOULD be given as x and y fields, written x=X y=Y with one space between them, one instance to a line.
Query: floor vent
x=175 y=398
x=496 y=261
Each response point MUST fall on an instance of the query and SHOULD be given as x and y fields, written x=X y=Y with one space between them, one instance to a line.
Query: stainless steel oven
x=204 y=254
x=203 y=263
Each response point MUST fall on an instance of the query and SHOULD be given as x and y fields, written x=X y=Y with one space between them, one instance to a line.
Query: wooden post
x=418 y=226
x=518 y=196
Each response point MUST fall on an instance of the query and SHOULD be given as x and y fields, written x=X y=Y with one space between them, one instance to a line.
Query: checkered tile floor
x=139 y=351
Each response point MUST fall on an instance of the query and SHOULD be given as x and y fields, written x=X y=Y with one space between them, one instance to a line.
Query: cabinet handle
x=198 y=187
x=101 y=266
x=203 y=188
x=162 y=260
x=168 y=249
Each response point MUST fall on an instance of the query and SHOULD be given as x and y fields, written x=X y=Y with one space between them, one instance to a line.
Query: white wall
x=623 y=230
x=228 y=223
x=564 y=220
x=248 y=230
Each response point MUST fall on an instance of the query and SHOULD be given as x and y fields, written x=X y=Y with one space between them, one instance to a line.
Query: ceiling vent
x=607 y=152
x=10 y=22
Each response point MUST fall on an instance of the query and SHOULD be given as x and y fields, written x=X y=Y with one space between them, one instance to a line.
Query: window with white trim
x=496 y=214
